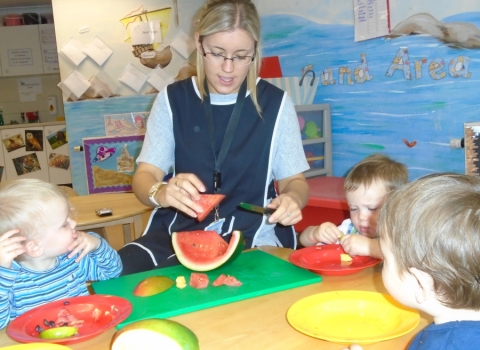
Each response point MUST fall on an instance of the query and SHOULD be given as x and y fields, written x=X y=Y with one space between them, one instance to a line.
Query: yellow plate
x=36 y=346
x=352 y=317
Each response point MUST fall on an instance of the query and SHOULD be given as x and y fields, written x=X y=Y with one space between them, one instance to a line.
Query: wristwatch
x=153 y=191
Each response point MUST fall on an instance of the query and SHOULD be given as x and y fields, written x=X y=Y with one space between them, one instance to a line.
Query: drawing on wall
x=58 y=138
x=126 y=124
x=472 y=148
x=26 y=164
x=146 y=47
x=59 y=161
x=301 y=89
x=13 y=142
x=34 y=140
x=112 y=170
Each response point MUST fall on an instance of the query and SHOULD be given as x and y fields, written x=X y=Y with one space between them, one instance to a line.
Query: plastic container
x=46 y=17
x=30 y=18
x=12 y=19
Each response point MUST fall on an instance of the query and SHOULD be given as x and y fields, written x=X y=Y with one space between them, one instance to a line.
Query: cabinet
x=316 y=131
x=28 y=50
x=36 y=151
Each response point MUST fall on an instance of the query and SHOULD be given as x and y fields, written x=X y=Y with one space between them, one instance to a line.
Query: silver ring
x=289 y=214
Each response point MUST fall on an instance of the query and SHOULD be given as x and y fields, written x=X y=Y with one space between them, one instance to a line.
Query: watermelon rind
x=234 y=249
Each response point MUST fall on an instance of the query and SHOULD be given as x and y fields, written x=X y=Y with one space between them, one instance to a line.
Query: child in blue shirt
x=366 y=187
x=42 y=257
x=430 y=239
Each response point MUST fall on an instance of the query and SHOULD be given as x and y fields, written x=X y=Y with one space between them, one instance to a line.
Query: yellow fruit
x=58 y=332
x=153 y=334
x=181 y=282
x=153 y=285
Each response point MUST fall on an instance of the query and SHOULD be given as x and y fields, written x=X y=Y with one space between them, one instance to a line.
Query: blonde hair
x=433 y=225
x=376 y=168
x=225 y=16
x=23 y=204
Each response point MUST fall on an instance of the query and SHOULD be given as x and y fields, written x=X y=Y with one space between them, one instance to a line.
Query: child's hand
x=10 y=247
x=358 y=245
x=325 y=233
x=83 y=244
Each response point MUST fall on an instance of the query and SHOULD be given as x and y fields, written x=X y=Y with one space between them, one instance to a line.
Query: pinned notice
x=73 y=50
x=372 y=19
x=98 y=51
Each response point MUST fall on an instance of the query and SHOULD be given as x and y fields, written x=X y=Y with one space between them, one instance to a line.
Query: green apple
x=155 y=333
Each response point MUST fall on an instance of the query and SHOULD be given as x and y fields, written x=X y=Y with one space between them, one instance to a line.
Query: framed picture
x=111 y=162
x=315 y=129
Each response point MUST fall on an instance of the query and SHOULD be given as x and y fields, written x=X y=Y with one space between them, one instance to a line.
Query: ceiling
x=24 y=3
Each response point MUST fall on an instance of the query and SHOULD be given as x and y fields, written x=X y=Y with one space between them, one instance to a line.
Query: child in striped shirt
x=42 y=257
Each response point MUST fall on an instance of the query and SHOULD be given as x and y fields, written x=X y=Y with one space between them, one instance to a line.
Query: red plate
x=113 y=311
x=325 y=260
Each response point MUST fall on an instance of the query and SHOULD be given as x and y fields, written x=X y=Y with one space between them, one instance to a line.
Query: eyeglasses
x=218 y=58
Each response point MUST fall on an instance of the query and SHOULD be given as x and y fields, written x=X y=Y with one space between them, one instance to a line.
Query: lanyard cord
x=228 y=137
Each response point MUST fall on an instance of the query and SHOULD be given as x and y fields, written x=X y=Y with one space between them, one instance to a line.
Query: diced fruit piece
x=219 y=281
x=226 y=280
x=153 y=285
x=155 y=334
x=208 y=202
x=345 y=259
x=206 y=250
x=181 y=282
x=58 y=332
x=198 y=280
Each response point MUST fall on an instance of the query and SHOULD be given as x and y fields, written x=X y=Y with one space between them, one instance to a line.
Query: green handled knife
x=256 y=208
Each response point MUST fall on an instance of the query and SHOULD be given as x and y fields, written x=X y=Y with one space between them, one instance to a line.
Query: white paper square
x=76 y=83
x=133 y=77
x=98 y=51
x=159 y=79
x=183 y=44
x=73 y=50
x=145 y=32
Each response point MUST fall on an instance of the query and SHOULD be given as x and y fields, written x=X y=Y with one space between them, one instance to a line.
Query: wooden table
x=127 y=209
x=260 y=323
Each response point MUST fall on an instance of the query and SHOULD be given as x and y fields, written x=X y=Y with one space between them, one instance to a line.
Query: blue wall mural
x=410 y=96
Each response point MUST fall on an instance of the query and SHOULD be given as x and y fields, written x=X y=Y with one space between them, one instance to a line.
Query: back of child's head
x=433 y=224
x=376 y=168
x=23 y=204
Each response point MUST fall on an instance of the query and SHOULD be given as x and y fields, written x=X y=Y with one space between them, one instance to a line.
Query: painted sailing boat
x=149 y=54
x=301 y=89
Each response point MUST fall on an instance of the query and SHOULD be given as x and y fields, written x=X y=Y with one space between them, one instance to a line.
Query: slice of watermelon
x=206 y=250
x=198 y=280
x=208 y=202
x=219 y=281
x=226 y=280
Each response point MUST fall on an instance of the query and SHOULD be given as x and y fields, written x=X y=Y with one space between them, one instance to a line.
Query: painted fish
x=103 y=152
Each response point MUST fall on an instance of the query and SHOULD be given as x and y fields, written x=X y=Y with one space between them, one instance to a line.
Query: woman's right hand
x=182 y=192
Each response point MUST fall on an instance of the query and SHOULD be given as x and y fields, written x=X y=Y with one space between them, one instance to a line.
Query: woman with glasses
x=223 y=131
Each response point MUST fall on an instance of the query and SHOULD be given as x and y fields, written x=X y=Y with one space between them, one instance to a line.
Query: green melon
x=206 y=250
x=155 y=334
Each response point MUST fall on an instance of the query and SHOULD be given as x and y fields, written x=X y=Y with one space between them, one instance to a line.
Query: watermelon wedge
x=208 y=202
x=206 y=250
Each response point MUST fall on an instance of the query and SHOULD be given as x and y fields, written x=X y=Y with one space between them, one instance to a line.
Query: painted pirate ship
x=151 y=55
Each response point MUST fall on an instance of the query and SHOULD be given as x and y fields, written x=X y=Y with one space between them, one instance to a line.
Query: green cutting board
x=260 y=273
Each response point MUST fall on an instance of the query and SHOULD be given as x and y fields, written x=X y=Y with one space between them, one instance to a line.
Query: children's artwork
x=60 y=161
x=472 y=146
x=13 y=142
x=58 y=138
x=34 y=140
x=110 y=162
x=26 y=164
x=126 y=124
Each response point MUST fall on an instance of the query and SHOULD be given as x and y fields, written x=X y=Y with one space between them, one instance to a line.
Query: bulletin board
x=111 y=162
